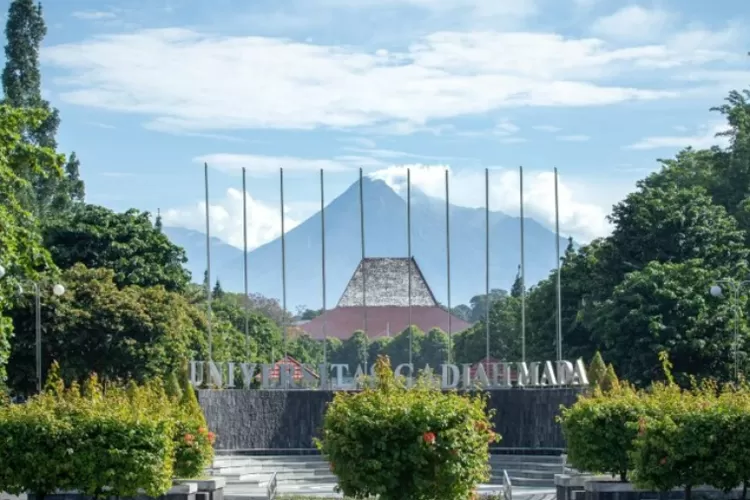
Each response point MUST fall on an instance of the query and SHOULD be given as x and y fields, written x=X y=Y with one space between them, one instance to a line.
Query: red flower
x=429 y=437
x=492 y=436
x=211 y=437
x=202 y=430
x=189 y=438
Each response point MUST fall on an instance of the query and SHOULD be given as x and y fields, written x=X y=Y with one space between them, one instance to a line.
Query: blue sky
x=149 y=89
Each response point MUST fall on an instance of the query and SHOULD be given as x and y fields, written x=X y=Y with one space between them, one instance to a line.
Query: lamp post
x=735 y=287
x=57 y=290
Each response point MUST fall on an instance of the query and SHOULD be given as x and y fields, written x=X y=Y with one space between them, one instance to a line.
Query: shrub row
x=664 y=437
x=102 y=441
x=397 y=443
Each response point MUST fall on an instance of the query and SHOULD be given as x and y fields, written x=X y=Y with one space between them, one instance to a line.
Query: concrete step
x=531 y=474
x=262 y=468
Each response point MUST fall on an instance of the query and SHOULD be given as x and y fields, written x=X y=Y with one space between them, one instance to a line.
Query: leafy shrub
x=115 y=443
x=193 y=441
x=599 y=430
x=399 y=443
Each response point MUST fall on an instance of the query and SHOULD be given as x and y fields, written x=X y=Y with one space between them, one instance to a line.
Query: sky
x=150 y=90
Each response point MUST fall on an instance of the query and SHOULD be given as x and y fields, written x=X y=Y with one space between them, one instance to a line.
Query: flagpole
x=559 y=291
x=487 y=260
x=323 y=264
x=448 y=262
x=208 y=269
x=408 y=245
x=364 y=267
x=523 y=272
x=244 y=238
x=283 y=265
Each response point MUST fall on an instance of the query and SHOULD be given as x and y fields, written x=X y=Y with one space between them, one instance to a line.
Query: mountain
x=385 y=236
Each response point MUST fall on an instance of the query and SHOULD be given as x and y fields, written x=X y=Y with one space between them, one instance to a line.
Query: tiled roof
x=297 y=373
x=342 y=322
x=387 y=284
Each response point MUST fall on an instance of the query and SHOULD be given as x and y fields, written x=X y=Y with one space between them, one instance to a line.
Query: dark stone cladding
x=287 y=421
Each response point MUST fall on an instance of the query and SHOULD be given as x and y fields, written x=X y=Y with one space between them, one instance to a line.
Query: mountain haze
x=385 y=236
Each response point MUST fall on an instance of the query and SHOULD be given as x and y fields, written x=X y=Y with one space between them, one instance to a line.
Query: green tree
x=478 y=303
x=397 y=349
x=666 y=307
x=261 y=329
x=610 y=382
x=435 y=349
x=118 y=333
x=125 y=242
x=25 y=29
x=597 y=370
x=218 y=291
x=462 y=311
x=21 y=250
x=353 y=351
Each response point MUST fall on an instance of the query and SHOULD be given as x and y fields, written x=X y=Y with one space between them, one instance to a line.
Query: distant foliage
x=405 y=444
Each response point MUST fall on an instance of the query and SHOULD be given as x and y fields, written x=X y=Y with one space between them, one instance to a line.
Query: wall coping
x=617 y=486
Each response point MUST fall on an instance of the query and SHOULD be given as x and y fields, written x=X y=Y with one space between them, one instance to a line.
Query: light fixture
x=58 y=290
x=716 y=291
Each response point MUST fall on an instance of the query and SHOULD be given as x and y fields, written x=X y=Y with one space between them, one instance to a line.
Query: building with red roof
x=384 y=305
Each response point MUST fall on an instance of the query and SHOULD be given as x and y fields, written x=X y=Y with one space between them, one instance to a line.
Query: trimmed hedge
x=664 y=437
x=113 y=441
x=397 y=443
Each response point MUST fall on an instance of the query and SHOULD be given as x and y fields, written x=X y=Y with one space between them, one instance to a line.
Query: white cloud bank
x=192 y=81
x=225 y=216
x=580 y=217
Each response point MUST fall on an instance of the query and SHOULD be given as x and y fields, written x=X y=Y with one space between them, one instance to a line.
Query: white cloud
x=93 y=15
x=633 y=23
x=702 y=139
x=192 y=81
x=225 y=216
x=582 y=219
x=265 y=165
x=574 y=138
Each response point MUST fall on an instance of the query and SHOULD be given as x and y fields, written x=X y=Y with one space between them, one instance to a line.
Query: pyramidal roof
x=387 y=284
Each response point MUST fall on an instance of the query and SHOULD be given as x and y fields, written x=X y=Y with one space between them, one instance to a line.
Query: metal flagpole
x=448 y=263
x=244 y=238
x=523 y=273
x=323 y=263
x=208 y=270
x=487 y=258
x=364 y=273
x=408 y=244
x=283 y=263
x=559 y=291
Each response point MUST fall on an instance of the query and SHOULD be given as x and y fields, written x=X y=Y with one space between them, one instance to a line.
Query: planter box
x=211 y=488
x=185 y=491
x=599 y=489
x=568 y=484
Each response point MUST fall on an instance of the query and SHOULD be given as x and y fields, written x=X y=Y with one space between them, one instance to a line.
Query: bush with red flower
x=194 y=449
x=405 y=443
x=664 y=437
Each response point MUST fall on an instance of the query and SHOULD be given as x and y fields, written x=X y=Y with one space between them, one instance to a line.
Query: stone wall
x=288 y=420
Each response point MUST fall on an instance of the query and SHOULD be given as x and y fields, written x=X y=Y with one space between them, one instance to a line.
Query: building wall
x=287 y=420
